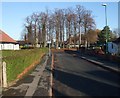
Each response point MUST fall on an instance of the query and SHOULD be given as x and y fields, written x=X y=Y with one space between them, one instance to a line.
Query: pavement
x=36 y=83
x=108 y=65
x=105 y=65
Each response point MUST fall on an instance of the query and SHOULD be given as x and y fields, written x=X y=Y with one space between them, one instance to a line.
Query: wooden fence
x=3 y=75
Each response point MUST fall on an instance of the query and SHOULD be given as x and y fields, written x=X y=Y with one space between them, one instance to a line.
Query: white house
x=7 y=43
x=114 y=47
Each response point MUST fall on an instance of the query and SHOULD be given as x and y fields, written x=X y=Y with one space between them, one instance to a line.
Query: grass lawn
x=18 y=60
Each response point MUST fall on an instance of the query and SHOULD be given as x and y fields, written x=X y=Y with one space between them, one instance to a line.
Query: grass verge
x=18 y=61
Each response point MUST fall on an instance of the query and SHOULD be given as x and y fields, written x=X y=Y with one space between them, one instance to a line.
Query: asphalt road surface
x=76 y=77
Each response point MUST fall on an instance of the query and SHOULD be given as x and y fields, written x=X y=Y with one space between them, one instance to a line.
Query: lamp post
x=105 y=5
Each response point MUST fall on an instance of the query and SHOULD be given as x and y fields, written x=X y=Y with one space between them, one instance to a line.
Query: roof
x=6 y=38
x=117 y=41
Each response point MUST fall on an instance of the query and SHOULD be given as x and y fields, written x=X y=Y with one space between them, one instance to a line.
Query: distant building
x=7 y=43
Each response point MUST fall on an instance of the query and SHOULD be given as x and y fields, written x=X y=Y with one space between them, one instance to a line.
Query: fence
x=3 y=75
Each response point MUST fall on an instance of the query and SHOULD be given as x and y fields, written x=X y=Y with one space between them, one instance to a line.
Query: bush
x=27 y=47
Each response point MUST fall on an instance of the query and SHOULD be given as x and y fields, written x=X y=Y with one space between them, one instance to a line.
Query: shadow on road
x=56 y=92
x=104 y=75
x=83 y=84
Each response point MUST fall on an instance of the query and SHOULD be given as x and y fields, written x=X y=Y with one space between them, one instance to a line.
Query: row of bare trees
x=60 y=25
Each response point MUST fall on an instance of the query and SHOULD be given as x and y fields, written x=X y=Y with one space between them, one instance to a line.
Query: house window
x=112 y=46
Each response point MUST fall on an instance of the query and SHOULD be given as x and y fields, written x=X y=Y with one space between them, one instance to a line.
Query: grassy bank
x=17 y=61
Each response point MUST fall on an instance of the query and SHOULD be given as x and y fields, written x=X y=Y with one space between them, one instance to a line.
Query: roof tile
x=6 y=38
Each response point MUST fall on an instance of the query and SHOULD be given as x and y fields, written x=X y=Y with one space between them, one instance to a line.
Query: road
x=73 y=76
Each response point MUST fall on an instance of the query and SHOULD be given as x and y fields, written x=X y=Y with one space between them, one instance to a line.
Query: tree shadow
x=111 y=77
x=56 y=92
x=85 y=84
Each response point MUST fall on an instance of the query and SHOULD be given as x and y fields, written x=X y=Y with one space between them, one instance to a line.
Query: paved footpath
x=108 y=65
x=34 y=84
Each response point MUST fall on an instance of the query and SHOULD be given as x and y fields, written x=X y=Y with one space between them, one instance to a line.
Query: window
x=112 y=45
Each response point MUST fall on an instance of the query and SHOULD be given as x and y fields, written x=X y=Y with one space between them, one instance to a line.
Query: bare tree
x=51 y=28
x=69 y=17
x=80 y=10
x=88 y=23
x=63 y=26
x=57 y=27
x=75 y=27
x=62 y=23
x=39 y=27
x=29 y=29
x=34 y=18
x=44 y=21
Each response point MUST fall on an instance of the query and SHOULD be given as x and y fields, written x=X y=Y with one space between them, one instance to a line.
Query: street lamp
x=105 y=5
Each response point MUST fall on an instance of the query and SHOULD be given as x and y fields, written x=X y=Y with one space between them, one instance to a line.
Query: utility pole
x=105 y=5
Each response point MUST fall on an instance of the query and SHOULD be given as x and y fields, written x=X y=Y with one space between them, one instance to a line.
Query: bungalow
x=114 y=46
x=7 y=43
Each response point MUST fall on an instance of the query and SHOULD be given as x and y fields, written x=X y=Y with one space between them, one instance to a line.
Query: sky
x=14 y=14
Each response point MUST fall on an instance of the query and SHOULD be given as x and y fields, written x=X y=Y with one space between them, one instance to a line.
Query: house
x=114 y=46
x=117 y=42
x=7 y=43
